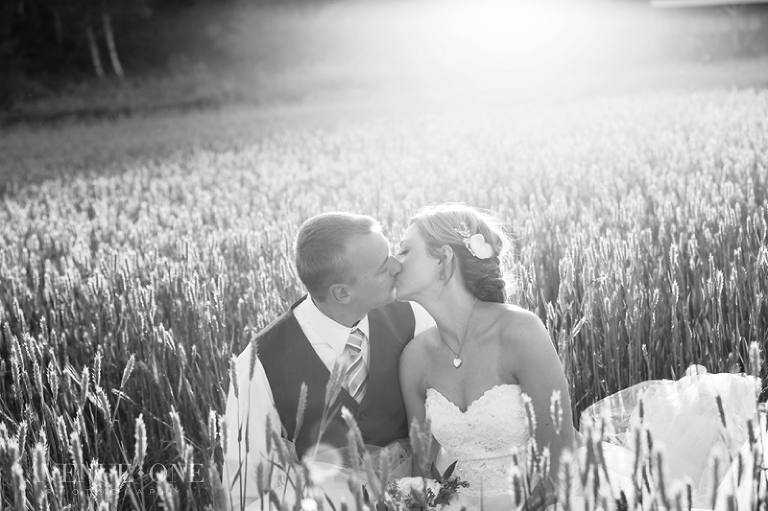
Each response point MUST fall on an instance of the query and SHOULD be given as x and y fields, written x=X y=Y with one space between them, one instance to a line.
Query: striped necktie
x=357 y=373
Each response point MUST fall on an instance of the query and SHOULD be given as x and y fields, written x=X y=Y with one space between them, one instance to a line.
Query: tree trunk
x=95 y=57
x=110 y=39
x=59 y=28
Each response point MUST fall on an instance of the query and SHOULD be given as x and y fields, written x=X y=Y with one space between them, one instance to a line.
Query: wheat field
x=137 y=256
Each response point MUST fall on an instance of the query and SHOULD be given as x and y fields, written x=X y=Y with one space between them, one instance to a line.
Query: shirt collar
x=332 y=333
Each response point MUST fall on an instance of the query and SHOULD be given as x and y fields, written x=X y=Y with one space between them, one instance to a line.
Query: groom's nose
x=394 y=266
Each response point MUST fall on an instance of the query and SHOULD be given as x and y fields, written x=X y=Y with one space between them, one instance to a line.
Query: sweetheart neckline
x=485 y=393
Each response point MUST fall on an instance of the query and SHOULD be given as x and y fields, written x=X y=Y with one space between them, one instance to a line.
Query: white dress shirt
x=255 y=401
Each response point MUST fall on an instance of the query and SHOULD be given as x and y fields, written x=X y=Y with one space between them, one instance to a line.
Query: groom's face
x=372 y=271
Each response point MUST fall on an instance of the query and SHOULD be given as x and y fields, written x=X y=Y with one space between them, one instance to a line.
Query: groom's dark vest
x=289 y=359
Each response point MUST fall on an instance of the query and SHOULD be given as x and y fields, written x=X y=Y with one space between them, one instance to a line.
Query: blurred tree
x=95 y=18
x=56 y=37
x=93 y=46
x=106 y=20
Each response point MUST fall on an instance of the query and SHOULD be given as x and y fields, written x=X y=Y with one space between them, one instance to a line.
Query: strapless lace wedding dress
x=482 y=439
x=683 y=415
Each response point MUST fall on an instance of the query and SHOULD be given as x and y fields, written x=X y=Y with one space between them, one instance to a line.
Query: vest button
x=362 y=416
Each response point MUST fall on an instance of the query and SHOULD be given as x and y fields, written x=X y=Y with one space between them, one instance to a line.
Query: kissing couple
x=426 y=336
x=464 y=365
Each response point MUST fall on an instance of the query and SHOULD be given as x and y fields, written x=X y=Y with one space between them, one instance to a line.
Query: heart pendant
x=456 y=362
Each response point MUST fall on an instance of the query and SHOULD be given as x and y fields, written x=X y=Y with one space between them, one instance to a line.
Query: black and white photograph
x=383 y=255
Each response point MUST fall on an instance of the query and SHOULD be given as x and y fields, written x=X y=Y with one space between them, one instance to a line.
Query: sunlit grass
x=640 y=226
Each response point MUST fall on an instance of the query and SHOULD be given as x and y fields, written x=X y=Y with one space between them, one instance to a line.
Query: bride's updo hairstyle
x=481 y=266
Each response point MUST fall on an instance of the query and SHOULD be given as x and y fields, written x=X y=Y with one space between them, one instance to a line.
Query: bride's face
x=420 y=271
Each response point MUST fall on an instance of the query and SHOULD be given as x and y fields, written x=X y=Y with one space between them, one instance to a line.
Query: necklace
x=457 y=356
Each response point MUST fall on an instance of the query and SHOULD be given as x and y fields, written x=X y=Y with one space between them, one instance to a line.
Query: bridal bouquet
x=424 y=494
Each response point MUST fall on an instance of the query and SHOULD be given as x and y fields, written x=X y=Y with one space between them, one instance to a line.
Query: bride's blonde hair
x=448 y=224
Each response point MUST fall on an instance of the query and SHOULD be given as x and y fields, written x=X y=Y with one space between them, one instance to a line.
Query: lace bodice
x=683 y=414
x=483 y=437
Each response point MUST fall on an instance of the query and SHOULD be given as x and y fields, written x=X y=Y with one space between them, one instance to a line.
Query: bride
x=468 y=375
x=486 y=366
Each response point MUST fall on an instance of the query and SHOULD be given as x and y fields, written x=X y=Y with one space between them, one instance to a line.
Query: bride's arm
x=539 y=371
x=413 y=387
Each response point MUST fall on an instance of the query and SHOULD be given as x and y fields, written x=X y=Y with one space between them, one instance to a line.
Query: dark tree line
x=60 y=36
x=55 y=41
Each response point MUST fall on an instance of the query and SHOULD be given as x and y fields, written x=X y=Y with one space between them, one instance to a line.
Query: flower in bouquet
x=423 y=494
x=414 y=492
x=309 y=505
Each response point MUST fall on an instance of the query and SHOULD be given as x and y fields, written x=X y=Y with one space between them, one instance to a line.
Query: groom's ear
x=340 y=294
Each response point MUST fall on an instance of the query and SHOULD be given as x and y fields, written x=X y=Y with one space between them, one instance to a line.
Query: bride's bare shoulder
x=518 y=324
x=419 y=347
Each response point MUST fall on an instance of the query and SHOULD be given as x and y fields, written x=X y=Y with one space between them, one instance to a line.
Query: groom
x=349 y=317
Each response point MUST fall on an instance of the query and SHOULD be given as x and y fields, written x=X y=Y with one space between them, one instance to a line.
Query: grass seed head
x=37 y=376
x=140 y=444
x=213 y=427
x=167 y=494
x=178 y=432
x=22 y=437
x=53 y=380
x=556 y=411
x=57 y=485
x=19 y=487
x=128 y=370
x=84 y=383
x=224 y=434
x=16 y=373
x=233 y=376
x=39 y=475
x=103 y=402
x=530 y=414
x=335 y=382
x=721 y=412
x=97 y=366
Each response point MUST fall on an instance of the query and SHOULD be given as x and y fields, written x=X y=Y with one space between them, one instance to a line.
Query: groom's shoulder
x=397 y=308
x=397 y=316
x=275 y=330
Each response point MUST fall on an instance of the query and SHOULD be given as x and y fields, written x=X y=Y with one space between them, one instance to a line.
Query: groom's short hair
x=321 y=246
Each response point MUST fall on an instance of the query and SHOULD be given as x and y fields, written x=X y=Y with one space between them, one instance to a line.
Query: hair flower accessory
x=475 y=243
x=479 y=247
